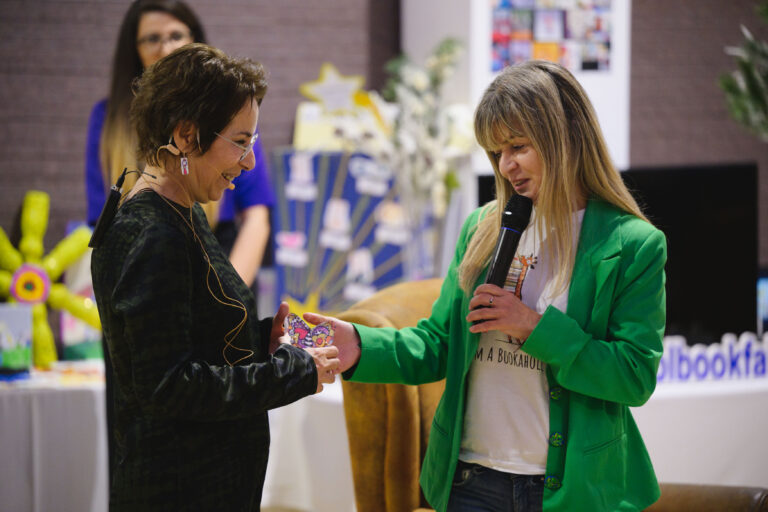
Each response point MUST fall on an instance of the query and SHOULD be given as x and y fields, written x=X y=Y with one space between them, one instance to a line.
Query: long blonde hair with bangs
x=543 y=102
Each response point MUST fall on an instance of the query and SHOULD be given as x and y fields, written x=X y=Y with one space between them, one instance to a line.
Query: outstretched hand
x=345 y=338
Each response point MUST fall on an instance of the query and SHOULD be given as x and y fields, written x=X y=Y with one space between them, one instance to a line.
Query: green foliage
x=393 y=67
x=452 y=181
x=745 y=88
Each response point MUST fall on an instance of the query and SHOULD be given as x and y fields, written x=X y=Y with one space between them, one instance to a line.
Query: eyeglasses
x=156 y=41
x=246 y=149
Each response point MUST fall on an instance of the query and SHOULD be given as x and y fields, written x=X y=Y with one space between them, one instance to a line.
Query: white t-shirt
x=506 y=423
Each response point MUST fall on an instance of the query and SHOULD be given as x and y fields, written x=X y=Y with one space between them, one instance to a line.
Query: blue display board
x=339 y=229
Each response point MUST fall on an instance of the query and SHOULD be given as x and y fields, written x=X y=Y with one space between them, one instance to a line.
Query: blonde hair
x=543 y=102
x=117 y=147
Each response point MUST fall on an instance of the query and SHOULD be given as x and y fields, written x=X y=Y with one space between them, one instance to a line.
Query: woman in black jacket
x=195 y=371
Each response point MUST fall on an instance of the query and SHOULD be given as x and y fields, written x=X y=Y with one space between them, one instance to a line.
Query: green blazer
x=602 y=356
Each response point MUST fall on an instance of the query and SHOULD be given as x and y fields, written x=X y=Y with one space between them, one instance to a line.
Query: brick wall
x=55 y=58
x=677 y=110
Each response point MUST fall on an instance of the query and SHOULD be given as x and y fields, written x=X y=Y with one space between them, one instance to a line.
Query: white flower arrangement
x=428 y=136
x=414 y=133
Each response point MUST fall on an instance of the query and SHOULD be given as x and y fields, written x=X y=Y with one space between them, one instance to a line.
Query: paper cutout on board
x=291 y=249
x=301 y=184
x=370 y=176
x=391 y=224
x=359 y=275
x=335 y=233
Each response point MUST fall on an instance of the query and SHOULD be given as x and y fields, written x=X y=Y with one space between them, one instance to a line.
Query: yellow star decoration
x=332 y=90
x=28 y=277
x=299 y=308
x=364 y=100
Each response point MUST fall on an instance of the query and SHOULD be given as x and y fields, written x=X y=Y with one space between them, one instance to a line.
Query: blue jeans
x=480 y=489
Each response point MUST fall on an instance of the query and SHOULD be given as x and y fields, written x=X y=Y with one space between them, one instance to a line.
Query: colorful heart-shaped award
x=304 y=336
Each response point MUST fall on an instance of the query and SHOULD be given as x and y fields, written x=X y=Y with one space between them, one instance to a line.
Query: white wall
x=426 y=22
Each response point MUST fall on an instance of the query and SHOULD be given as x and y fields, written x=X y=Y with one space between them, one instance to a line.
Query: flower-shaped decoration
x=29 y=277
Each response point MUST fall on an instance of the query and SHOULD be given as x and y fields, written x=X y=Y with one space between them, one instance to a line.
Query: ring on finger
x=490 y=301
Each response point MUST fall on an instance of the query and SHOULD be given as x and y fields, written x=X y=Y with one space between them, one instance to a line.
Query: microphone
x=108 y=211
x=517 y=214
x=514 y=219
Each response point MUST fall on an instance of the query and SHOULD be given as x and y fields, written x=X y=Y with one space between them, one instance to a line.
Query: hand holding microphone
x=515 y=218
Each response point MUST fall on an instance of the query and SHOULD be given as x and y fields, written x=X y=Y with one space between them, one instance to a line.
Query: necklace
x=231 y=335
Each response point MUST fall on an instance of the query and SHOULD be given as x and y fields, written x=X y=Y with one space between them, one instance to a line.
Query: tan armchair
x=388 y=426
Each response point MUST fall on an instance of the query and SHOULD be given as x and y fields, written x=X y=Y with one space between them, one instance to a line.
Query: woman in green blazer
x=539 y=380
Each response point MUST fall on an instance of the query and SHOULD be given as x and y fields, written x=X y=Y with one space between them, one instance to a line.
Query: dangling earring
x=184 y=165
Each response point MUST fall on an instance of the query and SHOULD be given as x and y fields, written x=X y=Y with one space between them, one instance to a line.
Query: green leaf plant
x=746 y=88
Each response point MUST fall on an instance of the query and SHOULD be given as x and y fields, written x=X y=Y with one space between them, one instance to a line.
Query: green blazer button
x=556 y=439
x=552 y=483
x=555 y=393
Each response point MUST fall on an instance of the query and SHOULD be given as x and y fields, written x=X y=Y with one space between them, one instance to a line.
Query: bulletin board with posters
x=589 y=37
x=340 y=232
x=574 y=33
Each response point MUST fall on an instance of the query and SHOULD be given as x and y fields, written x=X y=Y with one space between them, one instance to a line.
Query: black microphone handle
x=503 y=254
x=515 y=218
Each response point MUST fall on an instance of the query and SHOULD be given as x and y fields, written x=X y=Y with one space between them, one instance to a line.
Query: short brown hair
x=196 y=83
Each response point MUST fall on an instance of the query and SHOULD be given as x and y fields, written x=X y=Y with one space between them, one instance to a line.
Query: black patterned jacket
x=191 y=431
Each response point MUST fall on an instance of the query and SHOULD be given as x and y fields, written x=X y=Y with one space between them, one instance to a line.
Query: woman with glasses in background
x=151 y=29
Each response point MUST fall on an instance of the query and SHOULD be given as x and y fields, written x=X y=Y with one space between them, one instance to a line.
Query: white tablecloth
x=309 y=467
x=708 y=432
x=53 y=449
x=53 y=452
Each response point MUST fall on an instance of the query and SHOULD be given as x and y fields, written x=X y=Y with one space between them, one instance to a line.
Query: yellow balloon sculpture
x=29 y=277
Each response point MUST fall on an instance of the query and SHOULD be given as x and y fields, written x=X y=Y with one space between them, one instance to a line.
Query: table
x=53 y=448
x=309 y=466
x=708 y=432
x=53 y=451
